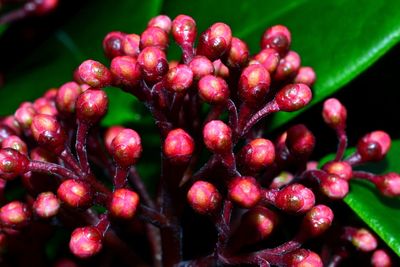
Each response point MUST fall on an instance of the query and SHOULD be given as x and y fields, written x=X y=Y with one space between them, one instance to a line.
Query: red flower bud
x=14 y=214
x=91 y=105
x=130 y=45
x=179 y=79
x=153 y=63
x=76 y=194
x=43 y=105
x=334 y=113
x=85 y=241
x=257 y=154
x=126 y=148
x=217 y=137
x=94 y=74
x=302 y=258
x=110 y=134
x=293 y=97
x=268 y=58
x=238 y=55
x=178 y=146
x=317 y=220
x=220 y=69
x=51 y=94
x=154 y=36
x=204 y=198
x=281 y=180
x=213 y=90
x=254 y=84
x=389 y=184
x=295 y=198
x=277 y=37
x=112 y=44
x=374 y=146
x=12 y=163
x=381 y=258
x=161 y=21
x=201 y=66
x=46 y=205
x=66 y=97
x=334 y=187
x=125 y=71
x=244 y=191
x=339 y=168
x=123 y=204
x=305 y=75
x=184 y=30
x=41 y=7
x=215 y=41
x=24 y=115
x=11 y=123
x=363 y=240
x=47 y=132
x=16 y=143
x=300 y=141
x=288 y=66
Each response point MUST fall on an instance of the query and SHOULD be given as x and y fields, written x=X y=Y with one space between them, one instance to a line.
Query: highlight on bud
x=153 y=64
x=217 y=137
x=130 y=45
x=112 y=44
x=213 y=90
x=14 y=142
x=123 y=204
x=238 y=54
x=288 y=67
x=303 y=257
x=388 y=184
x=215 y=41
x=46 y=205
x=12 y=163
x=268 y=58
x=339 y=168
x=162 y=22
x=201 y=66
x=184 y=30
x=76 y=194
x=334 y=113
x=317 y=220
x=295 y=198
x=204 y=197
x=305 y=75
x=374 y=146
x=300 y=141
x=254 y=84
x=277 y=37
x=257 y=155
x=66 y=97
x=125 y=71
x=91 y=105
x=86 y=241
x=244 y=191
x=126 y=148
x=334 y=187
x=14 y=214
x=178 y=146
x=363 y=240
x=154 y=36
x=179 y=79
x=293 y=97
x=94 y=74
x=380 y=258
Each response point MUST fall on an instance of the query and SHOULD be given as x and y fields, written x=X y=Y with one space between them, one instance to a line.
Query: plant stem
x=342 y=144
x=80 y=146
x=51 y=168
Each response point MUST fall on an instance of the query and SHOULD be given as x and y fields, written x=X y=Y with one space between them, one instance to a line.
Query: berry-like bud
x=389 y=184
x=47 y=132
x=153 y=63
x=374 y=146
x=317 y=220
x=295 y=198
x=85 y=241
x=43 y=105
x=334 y=187
x=220 y=69
x=305 y=75
x=281 y=180
x=204 y=198
x=46 y=205
x=76 y=194
x=24 y=115
x=154 y=36
x=244 y=191
x=130 y=45
x=293 y=97
x=213 y=90
x=179 y=79
x=66 y=97
x=215 y=41
x=110 y=134
x=268 y=58
x=238 y=55
x=363 y=240
x=14 y=214
x=16 y=143
x=12 y=163
x=51 y=94
x=201 y=66
x=257 y=154
x=217 y=137
x=339 y=168
x=254 y=84
x=381 y=258
x=123 y=204
x=91 y=105
x=11 y=123
x=125 y=71
x=277 y=37
x=5 y=132
x=161 y=21
x=288 y=66
x=94 y=74
x=300 y=141
x=303 y=258
x=184 y=30
x=178 y=146
x=334 y=113
x=126 y=148
x=112 y=44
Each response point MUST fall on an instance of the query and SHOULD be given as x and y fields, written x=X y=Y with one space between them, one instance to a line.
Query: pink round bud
x=244 y=191
x=16 y=143
x=112 y=44
x=43 y=105
x=334 y=113
x=184 y=30
x=288 y=66
x=66 y=97
x=380 y=258
x=41 y=7
x=389 y=184
x=48 y=132
x=161 y=21
x=153 y=64
x=217 y=137
x=295 y=198
x=215 y=41
x=281 y=180
x=94 y=74
x=277 y=37
x=12 y=163
x=254 y=84
x=126 y=148
x=258 y=223
x=220 y=69
x=339 y=168
x=11 y=123
x=130 y=45
x=125 y=71
x=85 y=241
x=213 y=90
x=303 y=258
x=51 y=94
x=110 y=134
x=201 y=66
x=305 y=75
x=238 y=54
x=257 y=154
x=5 y=132
x=300 y=141
x=317 y=220
x=293 y=97
x=14 y=214
x=179 y=79
x=46 y=205
x=374 y=146
x=178 y=146
x=268 y=58
x=363 y=240
x=91 y=105
x=334 y=187
x=204 y=197
x=154 y=36
x=123 y=204
x=24 y=115
x=76 y=194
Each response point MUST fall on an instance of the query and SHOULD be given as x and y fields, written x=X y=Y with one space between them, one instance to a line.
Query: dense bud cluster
x=256 y=191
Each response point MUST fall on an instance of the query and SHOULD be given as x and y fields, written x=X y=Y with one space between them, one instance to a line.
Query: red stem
x=341 y=134
x=138 y=184
x=120 y=177
x=51 y=168
x=269 y=108
x=365 y=175
x=80 y=145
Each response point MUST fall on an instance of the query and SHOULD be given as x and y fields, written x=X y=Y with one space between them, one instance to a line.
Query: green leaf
x=339 y=39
